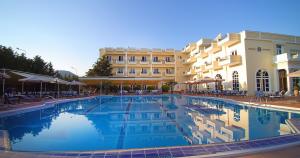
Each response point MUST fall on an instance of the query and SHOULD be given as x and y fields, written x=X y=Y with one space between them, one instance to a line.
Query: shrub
x=137 y=87
x=165 y=88
x=150 y=88
x=127 y=88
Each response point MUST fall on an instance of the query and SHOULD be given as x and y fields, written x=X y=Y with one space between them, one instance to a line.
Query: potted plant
x=296 y=90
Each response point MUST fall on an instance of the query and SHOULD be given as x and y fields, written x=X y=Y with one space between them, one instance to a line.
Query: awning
x=36 y=79
x=204 y=80
x=60 y=81
x=4 y=75
x=77 y=83
x=124 y=80
x=294 y=74
x=30 y=77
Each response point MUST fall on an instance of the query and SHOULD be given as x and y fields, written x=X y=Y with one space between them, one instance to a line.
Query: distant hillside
x=65 y=73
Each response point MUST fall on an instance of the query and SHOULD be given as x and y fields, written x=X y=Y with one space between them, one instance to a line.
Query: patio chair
x=277 y=95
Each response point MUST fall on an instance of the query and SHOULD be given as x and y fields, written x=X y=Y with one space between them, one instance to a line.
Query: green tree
x=102 y=67
x=10 y=59
x=171 y=84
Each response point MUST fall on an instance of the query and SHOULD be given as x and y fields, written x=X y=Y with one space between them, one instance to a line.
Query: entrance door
x=282 y=80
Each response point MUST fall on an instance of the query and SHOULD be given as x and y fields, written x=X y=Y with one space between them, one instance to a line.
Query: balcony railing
x=170 y=74
x=169 y=62
x=156 y=74
x=120 y=73
x=144 y=62
x=120 y=62
x=144 y=74
x=216 y=65
x=131 y=61
x=190 y=72
x=132 y=73
x=203 y=54
x=229 y=39
x=285 y=57
x=156 y=62
x=231 y=60
x=213 y=48
x=209 y=66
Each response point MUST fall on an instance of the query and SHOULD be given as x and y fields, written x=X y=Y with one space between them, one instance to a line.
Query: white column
x=175 y=68
x=150 y=61
x=22 y=87
x=3 y=85
x=126 y=61
x=41 y=88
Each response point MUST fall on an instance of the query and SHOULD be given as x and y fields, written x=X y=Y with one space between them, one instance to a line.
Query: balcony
x=286 y=57
x=157 y=74
x=169 y=62
x=132 y=73
x=131 y=62
x=144 y=62
x=120 y=62
x=190 y=60
x=216 y=65
x=213 y=48
x=231 y=60
x=156 y=62
x=144 y=74
x=190 y=72
x=120 y=73
x=209 y=66
x=230 y=39
x=203 y=54
x=203 y=69
x=170 y=74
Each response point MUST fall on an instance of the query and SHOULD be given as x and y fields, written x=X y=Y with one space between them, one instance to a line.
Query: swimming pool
x=114 y=122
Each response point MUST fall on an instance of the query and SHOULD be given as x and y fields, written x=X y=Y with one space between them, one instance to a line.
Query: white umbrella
x=3 y=76
x=77 y=83
x=59 y=81
x=38 y=79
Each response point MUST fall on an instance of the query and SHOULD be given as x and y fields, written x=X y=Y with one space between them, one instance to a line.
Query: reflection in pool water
x=137 y=122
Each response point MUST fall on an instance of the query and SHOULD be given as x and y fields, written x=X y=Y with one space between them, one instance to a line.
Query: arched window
x=218 y=85
x=235 y=81
x=262 y=81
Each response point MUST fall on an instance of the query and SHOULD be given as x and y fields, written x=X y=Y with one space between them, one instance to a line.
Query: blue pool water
x=112 y=122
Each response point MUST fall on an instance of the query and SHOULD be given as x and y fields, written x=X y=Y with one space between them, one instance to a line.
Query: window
x=155 y=59
x=262 y=81
x=169 y=71
x=144 y=71
x=132 y=71
x=234 y=52
x=132 y=58
x=279 y=49
x=218 y=84
x=155 y=71
x=259 y=49
x=168 y=59
x=235 y=81
x=121 y=58
x=120 y=70
x=144 y=58
x=295 y=54
x=108 y=58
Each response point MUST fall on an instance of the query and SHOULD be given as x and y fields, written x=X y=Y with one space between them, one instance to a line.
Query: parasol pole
x=41 y=88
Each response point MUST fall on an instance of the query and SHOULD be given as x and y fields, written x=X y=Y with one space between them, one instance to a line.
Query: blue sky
x=69 y=33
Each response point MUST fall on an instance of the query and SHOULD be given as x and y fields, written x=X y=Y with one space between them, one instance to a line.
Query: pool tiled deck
x=209 y=150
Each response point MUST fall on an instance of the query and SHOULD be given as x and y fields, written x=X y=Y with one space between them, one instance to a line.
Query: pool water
x=113 y=122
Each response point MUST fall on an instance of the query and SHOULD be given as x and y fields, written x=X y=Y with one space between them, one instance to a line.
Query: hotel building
x=248 y=60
